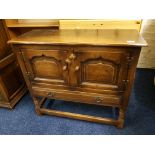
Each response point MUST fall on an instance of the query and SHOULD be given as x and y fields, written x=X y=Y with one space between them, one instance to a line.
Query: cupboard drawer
x=77 y=96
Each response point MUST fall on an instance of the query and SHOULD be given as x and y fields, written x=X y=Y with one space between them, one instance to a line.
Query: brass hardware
x=64 y=68
x=72 y=56
x=50 y=94
x=98 y=99
x=68 y=61
x=130 y=58
x=125 y=83
x=77 y=68
x=129 y=61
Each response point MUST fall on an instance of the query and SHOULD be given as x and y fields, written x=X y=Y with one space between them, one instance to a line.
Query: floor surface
x=140 y=117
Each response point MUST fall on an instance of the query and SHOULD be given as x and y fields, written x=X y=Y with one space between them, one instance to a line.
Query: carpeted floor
x=140 y=117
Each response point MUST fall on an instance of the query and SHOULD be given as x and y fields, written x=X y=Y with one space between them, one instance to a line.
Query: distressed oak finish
x=99 y=24
x=12 y=85
x=16 y=27
x=87 y=66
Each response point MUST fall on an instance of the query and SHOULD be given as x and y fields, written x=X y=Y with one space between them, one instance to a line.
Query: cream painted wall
x=147 y=56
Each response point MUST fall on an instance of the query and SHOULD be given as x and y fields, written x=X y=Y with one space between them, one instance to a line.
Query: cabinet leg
x=38 y=111
x=37 y=107
x=121 y=118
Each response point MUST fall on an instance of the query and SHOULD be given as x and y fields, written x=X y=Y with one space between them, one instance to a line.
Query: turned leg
x=121 y=118
x=37 y=107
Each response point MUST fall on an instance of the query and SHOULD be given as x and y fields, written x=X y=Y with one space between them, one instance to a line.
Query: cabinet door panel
x=46 y=65
x=99 y=71
x=101 y=68
x=5 y=49
x=11 y=78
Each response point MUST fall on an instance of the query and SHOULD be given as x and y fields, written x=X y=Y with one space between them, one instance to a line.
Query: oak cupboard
x=86 y=66
x=12 y=85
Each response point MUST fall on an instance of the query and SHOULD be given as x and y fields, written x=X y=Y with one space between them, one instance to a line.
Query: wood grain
x=90 y=67
x=12 y=85
x=111 y=37
x=100 y=24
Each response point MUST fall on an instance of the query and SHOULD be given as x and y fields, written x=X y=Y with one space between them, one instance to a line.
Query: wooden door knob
x=98 y=99
x=64 y=68
x=68 y=61
x=77 y=68
x=50 y=94
x=72 y=56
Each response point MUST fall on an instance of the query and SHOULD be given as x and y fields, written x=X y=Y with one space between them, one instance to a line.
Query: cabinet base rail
x=78 y=116
x=40 y=109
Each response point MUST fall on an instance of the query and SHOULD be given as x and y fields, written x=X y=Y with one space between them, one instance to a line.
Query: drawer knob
x=67 y=61
x=50 y=94
x=77 y=68
x=72 y=56
x=64 y=68
x=98 y=99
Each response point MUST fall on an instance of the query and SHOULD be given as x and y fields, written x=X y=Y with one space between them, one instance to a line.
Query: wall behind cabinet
x=147 y=56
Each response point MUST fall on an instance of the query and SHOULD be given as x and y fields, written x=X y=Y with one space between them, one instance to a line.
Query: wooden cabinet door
x=100 y=68
x=46 y=66
x=5 y=49
x=11 y=79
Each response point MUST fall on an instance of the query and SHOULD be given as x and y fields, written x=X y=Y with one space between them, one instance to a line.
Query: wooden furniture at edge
x=12 y=85
x=86 y=66
x=17 y=27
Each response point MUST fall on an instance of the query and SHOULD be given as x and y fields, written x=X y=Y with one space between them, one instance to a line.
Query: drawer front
x=77 y=96
x=100 y=68
x=46 y=66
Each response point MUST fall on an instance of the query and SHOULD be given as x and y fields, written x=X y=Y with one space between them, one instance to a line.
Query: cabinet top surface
x=105 y=37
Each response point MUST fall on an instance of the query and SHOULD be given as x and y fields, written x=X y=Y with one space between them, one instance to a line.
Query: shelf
x=33 y=25
x=30 y=23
